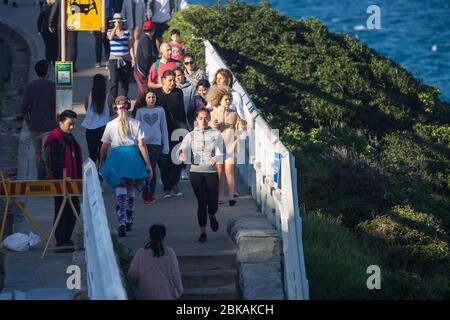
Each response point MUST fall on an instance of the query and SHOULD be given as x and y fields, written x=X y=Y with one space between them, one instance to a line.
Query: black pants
x=51 y=45
x=206 y=189
x=72 y=47
x=119 y=75
x=154 y=153
x=170 y=172
x=101 y=41
x=94 y=142
x=64 y=230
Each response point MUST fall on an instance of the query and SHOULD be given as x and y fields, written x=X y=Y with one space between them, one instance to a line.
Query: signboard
x=63 y=74
x=276 y=170
x=40 y=188
x=84 y=15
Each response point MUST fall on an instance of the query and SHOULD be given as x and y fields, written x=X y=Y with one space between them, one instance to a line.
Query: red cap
x=148 y=25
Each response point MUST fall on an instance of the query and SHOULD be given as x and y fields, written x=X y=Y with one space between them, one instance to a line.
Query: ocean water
x=413 y=33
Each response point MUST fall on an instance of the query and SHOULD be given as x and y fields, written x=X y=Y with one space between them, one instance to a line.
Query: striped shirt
x=119 y=45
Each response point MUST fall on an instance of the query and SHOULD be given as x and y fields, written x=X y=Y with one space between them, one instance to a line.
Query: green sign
x=64 y=75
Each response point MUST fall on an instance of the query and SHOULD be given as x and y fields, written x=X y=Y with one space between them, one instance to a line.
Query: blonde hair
x=124 y=129
x=51 y=2
x=216 y=93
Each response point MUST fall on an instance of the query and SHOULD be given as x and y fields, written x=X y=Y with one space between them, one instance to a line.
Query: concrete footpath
x=28 y=275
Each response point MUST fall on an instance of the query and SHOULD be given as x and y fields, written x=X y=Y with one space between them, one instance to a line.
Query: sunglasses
x=189 y=62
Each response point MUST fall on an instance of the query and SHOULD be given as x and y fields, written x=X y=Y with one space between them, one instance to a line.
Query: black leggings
x=94 y=142
x=206 y=189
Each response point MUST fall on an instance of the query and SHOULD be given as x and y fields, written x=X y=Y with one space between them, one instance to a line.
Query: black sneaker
x=213 y=223
x=128 y=226
x=232 y=203
x=122 y=231
x=202 y=238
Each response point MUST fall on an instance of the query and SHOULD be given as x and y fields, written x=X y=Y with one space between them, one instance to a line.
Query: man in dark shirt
x=171 y=99
x=144 y=58
x=39 y=107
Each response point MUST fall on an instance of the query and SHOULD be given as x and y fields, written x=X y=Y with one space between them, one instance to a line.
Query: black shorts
x=160 y=28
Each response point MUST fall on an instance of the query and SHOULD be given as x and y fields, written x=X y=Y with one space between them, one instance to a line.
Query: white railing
x=279 y=201
x=104 y=280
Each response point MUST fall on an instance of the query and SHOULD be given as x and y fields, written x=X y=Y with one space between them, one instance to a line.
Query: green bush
x=418 y=237
x=367 y=135
x=125 y=256
x=336 y=261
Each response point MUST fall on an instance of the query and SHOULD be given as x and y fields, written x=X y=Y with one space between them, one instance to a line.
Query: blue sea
x=413 y=33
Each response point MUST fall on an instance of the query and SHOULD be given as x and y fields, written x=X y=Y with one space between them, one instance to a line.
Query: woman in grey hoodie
x=202 y=148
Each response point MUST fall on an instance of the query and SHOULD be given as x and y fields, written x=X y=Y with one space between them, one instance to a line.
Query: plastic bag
x=21 y=242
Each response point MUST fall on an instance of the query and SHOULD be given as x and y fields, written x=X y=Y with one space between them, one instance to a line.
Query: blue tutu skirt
x=125 y=167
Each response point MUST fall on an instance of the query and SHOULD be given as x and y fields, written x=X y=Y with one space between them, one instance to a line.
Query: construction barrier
x=66 y=188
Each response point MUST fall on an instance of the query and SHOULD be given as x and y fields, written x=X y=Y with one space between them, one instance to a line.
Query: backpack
x=43 y=168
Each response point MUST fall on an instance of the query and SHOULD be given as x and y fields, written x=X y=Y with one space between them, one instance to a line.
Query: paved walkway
x=26 y=271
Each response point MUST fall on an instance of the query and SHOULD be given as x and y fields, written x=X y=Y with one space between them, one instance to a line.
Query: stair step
x=207 y=262
x=209 y=278
x=228 y=292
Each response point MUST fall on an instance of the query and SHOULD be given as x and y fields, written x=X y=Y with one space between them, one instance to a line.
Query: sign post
x=64 y=85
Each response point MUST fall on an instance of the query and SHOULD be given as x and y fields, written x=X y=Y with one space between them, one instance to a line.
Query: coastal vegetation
x=371 y=142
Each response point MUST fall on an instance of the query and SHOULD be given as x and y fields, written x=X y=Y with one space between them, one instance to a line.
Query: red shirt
x=156 y=78
x=177 y=50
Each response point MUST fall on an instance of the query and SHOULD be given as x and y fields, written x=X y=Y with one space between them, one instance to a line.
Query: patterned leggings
x=125 y=204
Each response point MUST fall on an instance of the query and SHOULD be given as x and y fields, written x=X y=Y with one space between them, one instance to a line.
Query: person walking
x=134 y=11
x=39 y=108
x=64 y=153
x=199 y=101
x=224 y=77
x=202 y=148
x=171 y=99
x=99 y=107
x=155 y=269
x=161 y=65
x=120 y=58
x=225 y=120
x=154 y=125
x=50 y=39
x=191 y=72
x=145 y=56
x=72 y=36
x=128 y=165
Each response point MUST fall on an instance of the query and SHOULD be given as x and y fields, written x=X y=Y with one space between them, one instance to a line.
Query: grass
x=337 y=258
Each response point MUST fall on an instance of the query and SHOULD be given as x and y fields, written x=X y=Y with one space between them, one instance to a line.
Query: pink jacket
x=156 y=278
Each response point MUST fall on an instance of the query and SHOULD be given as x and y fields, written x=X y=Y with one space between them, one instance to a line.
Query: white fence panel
x=279 y=204
x=104 y=280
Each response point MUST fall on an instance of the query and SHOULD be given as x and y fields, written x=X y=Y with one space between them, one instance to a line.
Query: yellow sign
x=84 y=15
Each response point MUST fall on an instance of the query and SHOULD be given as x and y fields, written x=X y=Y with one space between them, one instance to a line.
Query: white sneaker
x=177 y=191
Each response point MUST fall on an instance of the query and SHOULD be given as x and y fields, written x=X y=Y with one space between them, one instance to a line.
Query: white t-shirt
x=112 y=134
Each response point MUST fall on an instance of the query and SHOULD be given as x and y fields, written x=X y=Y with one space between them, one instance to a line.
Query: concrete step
x=206 y=262
x=209 y=278
x=228 y=292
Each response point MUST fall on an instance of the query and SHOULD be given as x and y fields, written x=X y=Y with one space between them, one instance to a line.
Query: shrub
x=416 y=236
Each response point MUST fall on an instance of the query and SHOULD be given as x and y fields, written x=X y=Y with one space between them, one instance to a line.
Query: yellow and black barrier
x=66 y=188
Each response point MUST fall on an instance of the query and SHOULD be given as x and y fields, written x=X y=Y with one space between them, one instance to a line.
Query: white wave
x=360 y=27
x=434 y=48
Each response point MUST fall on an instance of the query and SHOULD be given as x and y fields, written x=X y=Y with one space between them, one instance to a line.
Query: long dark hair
x=141 y=101
x=157 y=233
x=98 y=93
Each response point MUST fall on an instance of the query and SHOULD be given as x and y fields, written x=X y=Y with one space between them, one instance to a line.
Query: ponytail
x=157 y=234
x=124 y=129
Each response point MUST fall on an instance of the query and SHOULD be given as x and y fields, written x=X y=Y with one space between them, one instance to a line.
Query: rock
x=254 y=250
x=261 y=281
